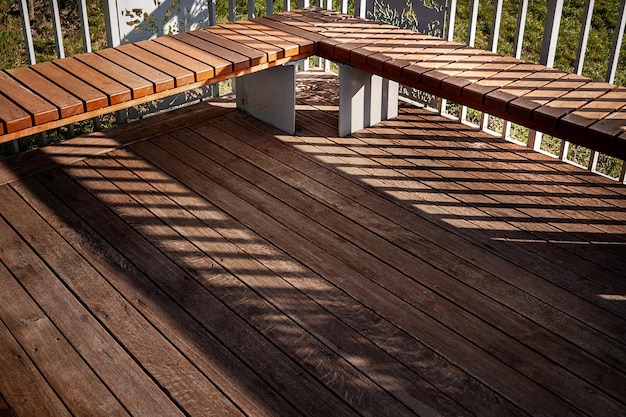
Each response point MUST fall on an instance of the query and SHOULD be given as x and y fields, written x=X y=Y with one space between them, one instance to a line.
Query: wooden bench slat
x=67 y=104
x=139 y=86
x=236 y=60
x=537 y=77
x=91 y=97
x=470 y=59
x=429 y=61
x=577 y=121
x=220 y=66
x=201 y=70
x=274 y=22
x=13 y=117
x=116 y=92
x=272 y=52
x=255 y=56
x=287 y=48
x=40 y=110
x=554 y=110
x=304 y=45
x=524 y=106
x=181 y=75
x=159 y=79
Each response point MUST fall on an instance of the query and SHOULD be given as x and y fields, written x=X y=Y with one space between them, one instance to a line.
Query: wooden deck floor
x=214 y=266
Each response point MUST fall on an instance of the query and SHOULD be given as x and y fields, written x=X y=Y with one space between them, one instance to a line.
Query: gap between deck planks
x=325 y=229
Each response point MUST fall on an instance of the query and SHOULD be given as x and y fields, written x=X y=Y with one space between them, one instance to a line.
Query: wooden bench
x=565 y=105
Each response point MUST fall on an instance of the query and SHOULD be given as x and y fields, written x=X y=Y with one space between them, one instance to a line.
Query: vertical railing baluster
x=212 y=13
x=520 y=28
x=471 y=40
x=251 y=11
x=584 y=37
x=617 y=43
x=495 y=26
x=30 y=52
x=344 y=6
x=473 y=21
x=448 y=36
x=493 y=47
x=517 y=51
x=548 y=52
x=232 y=10
x=551 y=32
x=110 y=16
x=56 y=23
x=269 y=6
x=84 y=25
x=28 y=35
x=360 y=7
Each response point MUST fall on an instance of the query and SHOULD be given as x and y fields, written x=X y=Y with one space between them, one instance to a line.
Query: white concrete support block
x=270 y=96
x=364 y=99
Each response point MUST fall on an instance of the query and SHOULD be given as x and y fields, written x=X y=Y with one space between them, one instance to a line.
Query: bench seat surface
x=558 y=103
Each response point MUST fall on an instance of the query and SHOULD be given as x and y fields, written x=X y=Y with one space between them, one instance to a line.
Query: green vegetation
x=597 y=53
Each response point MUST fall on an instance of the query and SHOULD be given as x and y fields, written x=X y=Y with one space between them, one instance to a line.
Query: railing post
x=617 y=43
x=112 y=26
x=28 y=36
x=551 y=32
x=84 y=25
x=548 y=51
x=56 y=22
x=584 y=37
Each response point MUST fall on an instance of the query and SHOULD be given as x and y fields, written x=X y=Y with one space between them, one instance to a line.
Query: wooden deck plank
x=159 y=358
x=442 y=261
x=39 y=109
x=111 y=361
x=418 y=266
x=343 y=306
x=21 y=384
x=178 y=317
x=281 y=370
x=383 y=276
x=276 y=291
x=77 y=386
x=67 y=103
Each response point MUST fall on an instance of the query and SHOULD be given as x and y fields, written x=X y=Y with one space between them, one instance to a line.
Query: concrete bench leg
x=270 y=96
x=364 y=99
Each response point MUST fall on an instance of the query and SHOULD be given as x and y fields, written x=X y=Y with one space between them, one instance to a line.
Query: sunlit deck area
x=203 y=263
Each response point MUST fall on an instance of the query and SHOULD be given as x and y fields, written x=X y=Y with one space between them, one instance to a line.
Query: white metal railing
x=554 y=9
